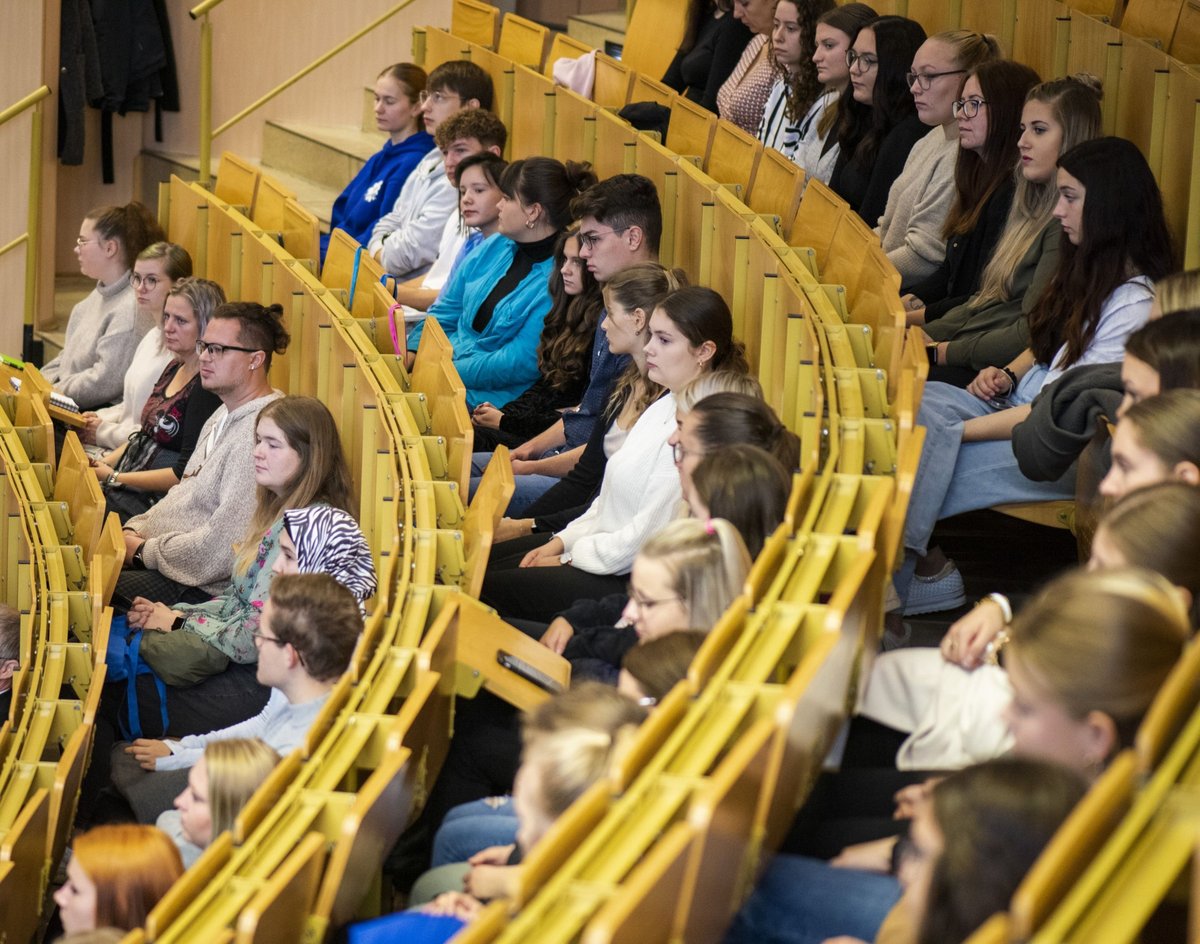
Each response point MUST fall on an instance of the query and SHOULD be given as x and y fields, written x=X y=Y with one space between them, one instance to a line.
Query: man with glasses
x=405 y=241
x=181 y=550
x=309 y=628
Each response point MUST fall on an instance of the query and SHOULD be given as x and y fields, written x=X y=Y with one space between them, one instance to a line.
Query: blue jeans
x=529 y=487
x=956 y=476
x=804 y=901
x=471 y=827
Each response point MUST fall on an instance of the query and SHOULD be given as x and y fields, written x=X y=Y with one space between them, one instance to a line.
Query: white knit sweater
x=917 y=206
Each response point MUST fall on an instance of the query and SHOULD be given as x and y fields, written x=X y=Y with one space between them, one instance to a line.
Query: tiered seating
x=54 y=562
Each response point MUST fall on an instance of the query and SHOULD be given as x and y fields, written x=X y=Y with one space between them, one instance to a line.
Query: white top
x=776 y=130
x=453 y=237
x=1123 y=312
x=637 y=497
x=809 y=152
x=614 y=438
x=171 y=823
x=918 y=204
x=280 y=724
x=410 y=233
x=121 y=419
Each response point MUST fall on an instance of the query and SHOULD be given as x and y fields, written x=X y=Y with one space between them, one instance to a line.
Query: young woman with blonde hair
x=218 y=786
x=156 y=270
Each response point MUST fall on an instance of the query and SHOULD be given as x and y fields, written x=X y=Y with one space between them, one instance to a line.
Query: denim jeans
x=805 y=901
x=529 y=487
x=471 y=827
x=956 y=476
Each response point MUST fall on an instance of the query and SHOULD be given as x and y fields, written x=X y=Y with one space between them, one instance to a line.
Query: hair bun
x=580 y=175
x=1090 y=82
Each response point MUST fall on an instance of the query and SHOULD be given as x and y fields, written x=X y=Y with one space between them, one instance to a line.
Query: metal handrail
x=30 y=237
x=207 y=131
x=27 y=102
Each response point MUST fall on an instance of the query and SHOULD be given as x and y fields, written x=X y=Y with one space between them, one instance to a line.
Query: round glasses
x=968 y=107
x=866 y=62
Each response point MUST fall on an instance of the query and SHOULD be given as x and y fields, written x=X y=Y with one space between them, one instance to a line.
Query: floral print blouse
x=228 y=622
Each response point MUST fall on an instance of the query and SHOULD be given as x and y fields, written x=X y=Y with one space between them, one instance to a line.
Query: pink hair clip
x=709 y=528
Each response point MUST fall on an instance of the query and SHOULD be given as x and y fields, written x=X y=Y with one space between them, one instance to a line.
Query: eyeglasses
x=262 y=637
x=589 y=240
x=643 y=604
x=679 y=453
x=925 y=79
x=80 y=241
x=438 y=98
x=865 y=61
x=150 y=281
x=967 y=107
x=217 y=350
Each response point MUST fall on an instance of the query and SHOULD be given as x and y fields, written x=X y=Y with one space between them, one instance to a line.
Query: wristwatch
x=112 y=479
x=136 y=560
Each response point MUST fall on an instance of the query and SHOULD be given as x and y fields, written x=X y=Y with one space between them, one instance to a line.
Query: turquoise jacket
x=500 y=363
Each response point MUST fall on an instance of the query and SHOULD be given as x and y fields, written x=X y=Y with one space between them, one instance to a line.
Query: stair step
x=331 y=156
x=314 y=197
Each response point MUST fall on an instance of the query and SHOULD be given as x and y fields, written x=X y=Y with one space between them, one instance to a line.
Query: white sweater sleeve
x=612 y=552
x=186 y=751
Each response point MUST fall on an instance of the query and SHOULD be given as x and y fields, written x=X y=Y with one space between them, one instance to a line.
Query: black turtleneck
x=526 y=257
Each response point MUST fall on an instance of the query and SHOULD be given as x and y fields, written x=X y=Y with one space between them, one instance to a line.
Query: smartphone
x=528 y=672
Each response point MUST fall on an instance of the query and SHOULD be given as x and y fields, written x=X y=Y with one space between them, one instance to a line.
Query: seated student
x=745 y=485
x=494 y=307
x=156 y=270
x=405 y=239
x=628 y=298
x=1127 y=627
x=684 y=577
x=620 y=224
x=1156 y=439
x=712 y=43
x=914 y=692
x=743 y=96
x=218 y=786
x=466 y=134
x=305 y=638
x=725 y=419
x=596 y=713
x=10 y=655
x=479 y=197
x=115 y=876
x=376 y=186
x=818 y=150
x=691 y=332
x=299 y=465
x=179 y=550
x=989 y=125
x=920 y=198
x=152 y=460
x=796 y=87
x=563 y=355
x=877 y=119
x=1163 y=355
x=992 y=327
x=104 y=329
x=1118 y=243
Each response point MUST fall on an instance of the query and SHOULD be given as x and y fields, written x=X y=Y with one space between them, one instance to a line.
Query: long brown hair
x=977 y=176
x=569 y=329
x=322 y=477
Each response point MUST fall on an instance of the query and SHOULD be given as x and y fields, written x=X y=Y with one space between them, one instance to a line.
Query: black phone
x=528 y=672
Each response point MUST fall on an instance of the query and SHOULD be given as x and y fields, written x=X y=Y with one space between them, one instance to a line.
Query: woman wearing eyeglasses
x=137 y=473
x=374 y=189
x=157 y=268
x=920 y=198
x=104 y=328
x=877 y=118
x=989 y=126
